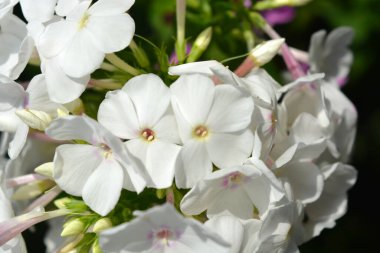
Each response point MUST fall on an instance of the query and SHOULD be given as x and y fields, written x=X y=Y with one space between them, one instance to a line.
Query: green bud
x=33 y=189
x=139 y=55
x=200 y=45
x=161 y=193
x=73 y=227
x=257 y=19
x=102 y=224
x=96 y=247
x=270 y=4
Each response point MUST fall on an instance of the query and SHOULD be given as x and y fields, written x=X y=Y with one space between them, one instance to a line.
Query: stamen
x=201 y=132
x=148 y=134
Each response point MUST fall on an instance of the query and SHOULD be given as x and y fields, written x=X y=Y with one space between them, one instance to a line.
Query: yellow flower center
x=83 y=21
x=201 y=132
x=148 y=134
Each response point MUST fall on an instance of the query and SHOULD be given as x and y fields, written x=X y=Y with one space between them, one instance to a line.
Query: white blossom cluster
x=265 y=165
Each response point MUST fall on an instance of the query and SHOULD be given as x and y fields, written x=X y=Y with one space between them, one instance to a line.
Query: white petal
x=193 y=164
x=62 y=88
x=150 y=98
x=166 y=129
x=231 y=110
x=230 y=228
x=12 y=94
x=160 y=163
x=38 y=10
x=192 y=97
x=118 y=114
x=81 y=57
x=64 y=7
x=111 y=33
x=227 y=150
x=18 y=142
x=102 y=189
x=203 y=67
x=306 y=129
x=306 y=181
x=56 y=37
x=110 y=7
x=73 y=165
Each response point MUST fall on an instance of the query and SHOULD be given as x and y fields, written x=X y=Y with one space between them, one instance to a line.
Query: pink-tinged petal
x=73 y=165
x=45 y=199
x=61 y=87
x=56 y=37
x=193 y=164
x=24 y=179
x=81 y=57
x=305 y=179
x=111 y=33
x=227 y=150
x=110 y=7
x=118 y=114
x=160 y=163
x=280 y=15
x=192 y=97
x=18 y=142
x=231 y=110
x=150 y=97
x=102 y=189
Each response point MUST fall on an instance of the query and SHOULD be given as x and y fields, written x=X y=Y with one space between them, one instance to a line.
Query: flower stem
x=119 y=63
x=290 y=61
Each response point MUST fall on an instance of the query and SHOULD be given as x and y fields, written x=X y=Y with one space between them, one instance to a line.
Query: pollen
x=201 y=132
x=107 y=151
x=148 y=134
x=83 y=21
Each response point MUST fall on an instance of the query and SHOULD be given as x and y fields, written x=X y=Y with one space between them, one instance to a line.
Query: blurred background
x=357 y=231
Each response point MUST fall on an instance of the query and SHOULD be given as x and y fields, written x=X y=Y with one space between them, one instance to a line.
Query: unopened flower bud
x=102 y=224
x=75 y=107
x=34 y=119
x=45 y=169
x=32 y=190
x=73 y=227
x=96 y=247
x=265 y=51
x=200 y=45
x=139 y=55
x=270 y=4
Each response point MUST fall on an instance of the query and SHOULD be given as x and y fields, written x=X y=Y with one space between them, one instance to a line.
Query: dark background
x=358 y=230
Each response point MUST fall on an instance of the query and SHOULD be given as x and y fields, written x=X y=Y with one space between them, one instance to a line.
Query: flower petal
x=73 y=165
x=193 y=164
x=118 y=114
x=18 y=142
x=111 y=33
x=102 y=189
x=110 y=7
x=227 y=150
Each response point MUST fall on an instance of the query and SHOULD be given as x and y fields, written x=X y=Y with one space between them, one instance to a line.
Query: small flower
x=162 y=229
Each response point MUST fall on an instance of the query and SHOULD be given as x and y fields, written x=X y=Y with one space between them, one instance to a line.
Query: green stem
x=119 y=63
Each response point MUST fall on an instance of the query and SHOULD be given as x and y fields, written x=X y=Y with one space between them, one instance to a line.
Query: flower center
x=83 y=21
x=148 y=134
x=164 y=235
x=233 y=180
x=107 y=151
x=201 y=132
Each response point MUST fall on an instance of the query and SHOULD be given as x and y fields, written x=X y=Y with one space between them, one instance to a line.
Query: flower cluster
x=255 y=166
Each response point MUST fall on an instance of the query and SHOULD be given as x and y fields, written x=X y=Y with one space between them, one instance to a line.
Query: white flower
x=97 y=171
x=161 y=229
x=141 y=113
x=82 y=39
x=13 y=97
x=212 y=122
x=240 y=190
x=332 y=204
x=16 y=46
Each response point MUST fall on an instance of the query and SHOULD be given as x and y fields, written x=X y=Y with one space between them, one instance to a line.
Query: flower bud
x=34 y=119
x=200 y=45
x=33 y=189
x=45 y=169
x=270 y=4
x=265 y=51
x=102 y=224
x=139 y=55
x=75 y=107
x=73 y=227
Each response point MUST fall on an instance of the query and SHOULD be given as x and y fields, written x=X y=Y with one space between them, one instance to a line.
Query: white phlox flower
x=162 y=229
x=16 y=46
x=332 y=204
x=244 y=191
x=213 y=125
x=96 y=171
x=81 y=40
x=141 y=113
x=13 y=98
